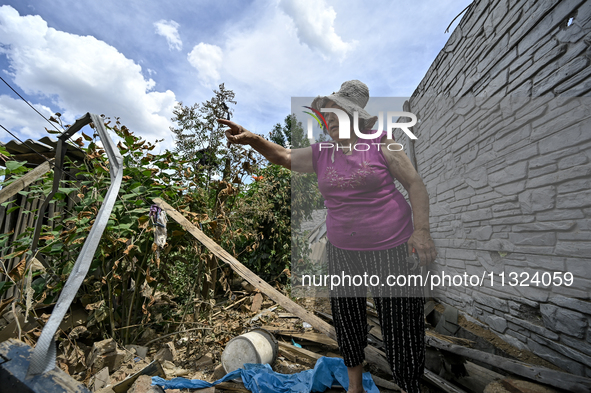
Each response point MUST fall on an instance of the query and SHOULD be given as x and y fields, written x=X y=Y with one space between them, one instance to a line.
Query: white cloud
x=314 y=21
x=16 y=115
x=169 y=30
x=82 y=74
x=207 y=59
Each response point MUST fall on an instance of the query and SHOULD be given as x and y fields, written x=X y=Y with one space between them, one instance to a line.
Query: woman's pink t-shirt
x=365 y=210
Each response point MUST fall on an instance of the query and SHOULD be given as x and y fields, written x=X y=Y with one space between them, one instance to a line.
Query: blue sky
x=136 y=59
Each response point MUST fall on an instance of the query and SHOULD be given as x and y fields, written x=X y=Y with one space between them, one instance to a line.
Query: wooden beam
x=373 y=355
x=559 y=379
x=24 y=181
x=383 y=383
x=313 y=337
x=478 y=377
x=441 y=383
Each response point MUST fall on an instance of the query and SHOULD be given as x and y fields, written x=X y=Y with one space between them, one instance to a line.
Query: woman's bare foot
x=355 y=379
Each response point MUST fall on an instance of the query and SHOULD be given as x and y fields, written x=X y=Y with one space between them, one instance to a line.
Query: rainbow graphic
x=316 y=115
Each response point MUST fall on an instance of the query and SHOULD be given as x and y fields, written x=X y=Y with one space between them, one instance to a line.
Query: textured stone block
x=532 y=293
x=577 y=81
x=533 y=238
x=483 y=233
x=573 y=304
x=552 y=157
x=574 y=185
x=581 y=249
x=508 y=174
x=545 y=226
x=554 y=357
x=527 y=73
x=543 y=22
x=477 y=215
x=511 y=188
x=496 y=323
x=536 y=200
x=518 y=336
x=533 y=327
x=560 y=214
x=546 y=262
x=574 y=160
x=542 y=171
x=456 y=253
x=566 y=137
x=574 y=236
x=564 y=350
x=559 y=76
x=574 y=200
x=563 y=320
x=491 y=301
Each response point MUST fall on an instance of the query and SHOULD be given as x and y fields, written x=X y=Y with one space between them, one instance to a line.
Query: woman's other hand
x=424 y=246
x=236 y=133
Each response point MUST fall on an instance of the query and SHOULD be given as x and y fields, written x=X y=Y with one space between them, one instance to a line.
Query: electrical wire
x=26 y=144
x=32 y=107
x=21 y=97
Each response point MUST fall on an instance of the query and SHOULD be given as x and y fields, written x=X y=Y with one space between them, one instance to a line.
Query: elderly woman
x=370 y=228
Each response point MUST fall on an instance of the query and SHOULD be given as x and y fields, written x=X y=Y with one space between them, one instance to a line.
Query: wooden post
x=24 y=181
x=372 y=354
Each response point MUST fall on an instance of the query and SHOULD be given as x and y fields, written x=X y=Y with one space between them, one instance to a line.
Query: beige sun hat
x=352 y=96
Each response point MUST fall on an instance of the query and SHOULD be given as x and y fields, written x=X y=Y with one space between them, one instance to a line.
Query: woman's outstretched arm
x=299 y=160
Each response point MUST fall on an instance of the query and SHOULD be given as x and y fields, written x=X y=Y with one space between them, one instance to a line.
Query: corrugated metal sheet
x=45 y=146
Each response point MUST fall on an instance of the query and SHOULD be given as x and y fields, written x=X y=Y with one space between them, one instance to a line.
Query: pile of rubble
x=195 y=352
x=462 y=354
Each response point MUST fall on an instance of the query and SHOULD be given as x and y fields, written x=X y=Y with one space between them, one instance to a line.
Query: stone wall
x=504 y=148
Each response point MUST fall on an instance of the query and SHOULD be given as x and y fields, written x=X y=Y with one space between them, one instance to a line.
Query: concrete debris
x=99 y=380
x=144 y=385
x=138 y=350
x=106 y=354
x=167 y=353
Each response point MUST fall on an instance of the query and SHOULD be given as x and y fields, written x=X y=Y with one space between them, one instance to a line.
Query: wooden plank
x=559 y=379
x=372 y=355
x=298 y=355
x=300 y=351
x=313 y=337
x=20 y=184
x=230 y=387
x=441 y=383
x=376 y=331
x=478 y=377
x=324 y=315
x=278 y=330
x=382 y=383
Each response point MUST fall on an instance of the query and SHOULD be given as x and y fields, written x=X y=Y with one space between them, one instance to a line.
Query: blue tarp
x=260 y=378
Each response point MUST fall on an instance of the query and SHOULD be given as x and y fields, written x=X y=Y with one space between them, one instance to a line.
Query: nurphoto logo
x=345 y=125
